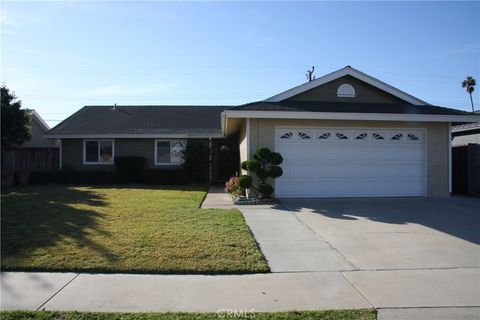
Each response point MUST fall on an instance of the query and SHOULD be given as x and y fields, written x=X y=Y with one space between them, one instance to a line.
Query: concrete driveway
x=396 y=233
x=401 y=254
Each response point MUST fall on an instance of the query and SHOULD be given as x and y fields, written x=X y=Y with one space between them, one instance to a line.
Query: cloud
x=119 y=90
x=9 y=21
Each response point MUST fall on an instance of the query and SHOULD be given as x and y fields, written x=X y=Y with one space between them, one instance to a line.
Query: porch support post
x=210 y=158
x=248 y=138
x=247 y=133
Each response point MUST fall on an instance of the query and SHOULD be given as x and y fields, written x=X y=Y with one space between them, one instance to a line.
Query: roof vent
x=114 y=106
x=346 y=91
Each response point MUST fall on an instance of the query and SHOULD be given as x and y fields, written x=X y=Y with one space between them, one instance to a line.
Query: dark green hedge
x=174 y=176
x=130 y=168
x=165 y=176
x=196 y=161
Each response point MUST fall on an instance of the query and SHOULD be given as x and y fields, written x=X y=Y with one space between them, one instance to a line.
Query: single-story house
x=466 y=133
x=345 y=134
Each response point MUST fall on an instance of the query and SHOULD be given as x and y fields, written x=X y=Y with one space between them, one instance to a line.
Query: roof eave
x=351 y=116
x=131 y=136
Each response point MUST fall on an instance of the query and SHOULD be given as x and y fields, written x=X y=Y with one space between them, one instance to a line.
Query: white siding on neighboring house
x=464 y=140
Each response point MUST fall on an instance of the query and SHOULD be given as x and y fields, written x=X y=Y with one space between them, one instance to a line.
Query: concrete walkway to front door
x=217 y=198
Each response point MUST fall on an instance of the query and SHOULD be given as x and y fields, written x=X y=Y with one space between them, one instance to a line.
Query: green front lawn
x=122 y=229
x=297 y=315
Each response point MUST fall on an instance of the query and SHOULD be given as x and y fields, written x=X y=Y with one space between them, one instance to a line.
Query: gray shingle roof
x=205 y=120
x=348 y=108
x=466 y=127
x=185 y=120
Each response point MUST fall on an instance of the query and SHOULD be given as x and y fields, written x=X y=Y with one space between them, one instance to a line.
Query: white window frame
x=167 y=163
x=98 y=151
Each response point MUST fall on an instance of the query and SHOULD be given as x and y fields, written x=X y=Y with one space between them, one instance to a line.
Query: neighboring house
x=37 y=154
x=466 y=133
x=345 y=134
x=39 y=128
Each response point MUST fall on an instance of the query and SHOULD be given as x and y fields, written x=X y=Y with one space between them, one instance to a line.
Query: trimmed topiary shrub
x=264 y=164
x=130 y=168
x=245 y=182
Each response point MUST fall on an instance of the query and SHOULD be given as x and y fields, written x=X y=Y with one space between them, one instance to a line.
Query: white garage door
x=346 y=162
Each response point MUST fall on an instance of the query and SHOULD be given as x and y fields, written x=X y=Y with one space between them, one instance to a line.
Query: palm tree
x=469 y=85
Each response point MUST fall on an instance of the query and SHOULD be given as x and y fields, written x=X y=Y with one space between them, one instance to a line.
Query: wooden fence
x=31 y=159
x=466 y=169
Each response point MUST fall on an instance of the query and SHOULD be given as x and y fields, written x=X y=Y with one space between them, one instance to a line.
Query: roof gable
x=310 y=89
x=39 y=120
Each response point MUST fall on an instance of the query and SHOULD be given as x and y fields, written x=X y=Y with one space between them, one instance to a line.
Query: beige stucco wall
x=364 y=93
x=72 y=153
x=262 y=134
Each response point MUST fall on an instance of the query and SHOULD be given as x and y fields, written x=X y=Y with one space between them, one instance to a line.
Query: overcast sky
x=59 y=56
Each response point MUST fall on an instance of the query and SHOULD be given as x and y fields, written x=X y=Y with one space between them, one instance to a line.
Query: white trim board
x=341 y=73
x=351 y=116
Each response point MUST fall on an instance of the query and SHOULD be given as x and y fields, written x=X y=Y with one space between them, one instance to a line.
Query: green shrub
x=266 y=190
x=275 y=158
x=84 y=177
x=165 y=176
x=275 y=172
x=251 y=165
x=245 y=182
x=265 y=164
x=262 y=154
x=130 y=168
x=196 y=161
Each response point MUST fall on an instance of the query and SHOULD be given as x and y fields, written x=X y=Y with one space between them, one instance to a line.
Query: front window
x=169 y=151
x=98 y=151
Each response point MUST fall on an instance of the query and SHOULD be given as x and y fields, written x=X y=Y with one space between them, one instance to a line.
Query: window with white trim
x=169 y=151
x=98 y=151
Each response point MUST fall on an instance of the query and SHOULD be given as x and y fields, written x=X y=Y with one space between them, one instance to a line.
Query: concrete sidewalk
x=189 y=293
x=395 y=293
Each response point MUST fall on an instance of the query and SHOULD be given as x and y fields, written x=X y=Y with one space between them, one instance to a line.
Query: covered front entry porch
x=225 y=159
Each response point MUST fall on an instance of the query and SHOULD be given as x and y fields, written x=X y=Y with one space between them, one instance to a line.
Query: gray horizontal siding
x=72 y=153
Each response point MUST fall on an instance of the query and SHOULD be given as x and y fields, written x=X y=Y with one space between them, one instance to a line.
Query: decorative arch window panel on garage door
x=351 y=162
x=350 y=135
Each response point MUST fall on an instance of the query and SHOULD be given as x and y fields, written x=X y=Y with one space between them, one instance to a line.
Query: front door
x=225 y=160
